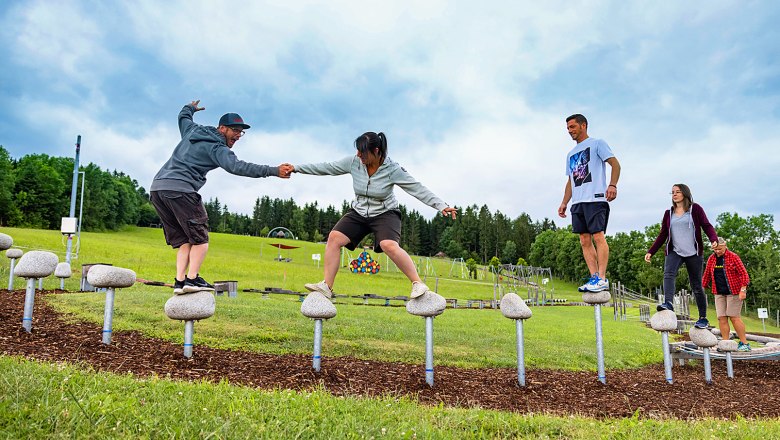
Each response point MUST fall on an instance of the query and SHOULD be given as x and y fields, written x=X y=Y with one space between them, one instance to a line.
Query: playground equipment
x=281 y=246
x=33 y=265
x=597 y=299
x=459 y=269
x=5 y=241
x=12 y=254
x=664 y=322
x=513 y=278
x=428 y=305
x=317 y=307
x=425 y=267
x=62 y=271
x=110 y=278
x=706 y=340
x=189 y=308
x=364 y=264
x=513 y=307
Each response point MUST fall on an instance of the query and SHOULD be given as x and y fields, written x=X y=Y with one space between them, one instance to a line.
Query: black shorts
x=589 y=217
x=183 y=217
x=385 y=226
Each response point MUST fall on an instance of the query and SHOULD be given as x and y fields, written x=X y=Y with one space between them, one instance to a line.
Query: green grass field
x=61 y=400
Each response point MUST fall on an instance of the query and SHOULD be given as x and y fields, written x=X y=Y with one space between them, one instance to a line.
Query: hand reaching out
x=450 y=212
x=195 y=104
x=285 y=170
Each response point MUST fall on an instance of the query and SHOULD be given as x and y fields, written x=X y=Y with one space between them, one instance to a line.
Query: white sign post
x=763 y=314
x=316 y=257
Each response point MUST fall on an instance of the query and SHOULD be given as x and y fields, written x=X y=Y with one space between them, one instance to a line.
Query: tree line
x=753 y=238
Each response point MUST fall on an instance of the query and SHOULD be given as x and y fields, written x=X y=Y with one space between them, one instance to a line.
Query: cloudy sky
x=472 y=95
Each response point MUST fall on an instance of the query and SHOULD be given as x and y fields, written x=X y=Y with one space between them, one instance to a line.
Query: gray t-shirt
x=682 y=230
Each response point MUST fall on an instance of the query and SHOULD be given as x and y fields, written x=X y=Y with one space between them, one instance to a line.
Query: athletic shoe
x=664 y=306
x=601 y=284
x=178 y=287
x=702 y=323
x=743 y=347
x=321 y=287
x=593 y=279
x=418 y=289
x=197 y=284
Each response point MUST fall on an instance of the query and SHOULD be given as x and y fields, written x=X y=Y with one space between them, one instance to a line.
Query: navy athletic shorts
x=589 y=217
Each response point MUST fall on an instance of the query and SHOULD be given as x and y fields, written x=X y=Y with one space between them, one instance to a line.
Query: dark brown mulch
x=754 y=392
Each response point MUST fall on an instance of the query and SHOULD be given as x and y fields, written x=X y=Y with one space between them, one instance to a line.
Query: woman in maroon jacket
x=681 y=229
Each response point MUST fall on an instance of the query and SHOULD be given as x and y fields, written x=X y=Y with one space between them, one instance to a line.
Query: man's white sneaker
x=418 y=289
x=599 y=286
x=321 y=287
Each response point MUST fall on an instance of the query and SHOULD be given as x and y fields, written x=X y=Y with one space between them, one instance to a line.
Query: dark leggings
x=693 y=264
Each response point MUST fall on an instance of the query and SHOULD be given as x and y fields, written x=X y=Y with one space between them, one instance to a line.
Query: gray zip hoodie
x=201 y=150
x=374 y=194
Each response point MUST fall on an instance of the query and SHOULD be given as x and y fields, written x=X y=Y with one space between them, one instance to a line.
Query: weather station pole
x=70 y=230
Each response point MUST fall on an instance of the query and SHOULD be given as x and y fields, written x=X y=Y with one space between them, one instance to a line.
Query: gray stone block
x=110 y=276
x=317 y=306
x=5 y=241
x=703 y=337
x=513 y=307
x=190 y=306
x=429 y=304
x=727 y=345
x=62 y=270
x=36 y=264
x=664 y=321
x=772 y=344
x=14 y=253
x=596 y=297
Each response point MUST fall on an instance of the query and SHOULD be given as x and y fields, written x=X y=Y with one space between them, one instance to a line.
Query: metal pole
x=707 y=368
x=189 y=329
x=667 y=357
x=11 y=275
x=599 y=345
x=40 y=283
x=81 y=210
x=29 y=302
x=729 y=365
x=73 y=195
x=520 y=353
x=108 y=316
x=429 y=350
x=317 y=345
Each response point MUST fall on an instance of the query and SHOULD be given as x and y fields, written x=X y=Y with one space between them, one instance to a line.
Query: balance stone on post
x=33 y=265
x=428 y=305
x=62 y=271
x=13 y=254
x=513 y=307
x=597 y=299
x=728 y=346
x=706 y=340
x=5 y=241
x=665 y=321
x=110 y=278
x=317 y=307
x=189 y=308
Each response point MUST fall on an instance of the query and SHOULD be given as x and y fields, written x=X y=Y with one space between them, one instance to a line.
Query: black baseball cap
x=232 y=120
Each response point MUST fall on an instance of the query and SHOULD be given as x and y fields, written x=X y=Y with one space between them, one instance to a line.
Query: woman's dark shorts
x=589 y=217
x=183 y=217
x=385 y=226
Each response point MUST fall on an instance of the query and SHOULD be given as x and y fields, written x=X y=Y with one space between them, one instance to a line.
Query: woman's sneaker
x=702 y=323
x=664 y=306
x=743 y=347
x=197 y=284
x=321 y=287
x=418 y=289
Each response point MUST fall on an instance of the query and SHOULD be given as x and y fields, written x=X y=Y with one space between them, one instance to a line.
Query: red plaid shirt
x=736 y=274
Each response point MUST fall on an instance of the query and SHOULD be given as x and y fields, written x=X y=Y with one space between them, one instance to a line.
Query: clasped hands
x=285 y=170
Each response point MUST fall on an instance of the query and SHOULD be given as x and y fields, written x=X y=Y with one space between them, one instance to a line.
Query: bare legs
x=596 y=257
x=739 y=327
x=189 y=259
x=401 y=259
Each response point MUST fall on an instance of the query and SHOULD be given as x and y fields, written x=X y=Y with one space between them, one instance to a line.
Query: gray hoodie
x=201 y=150
x=374 y=194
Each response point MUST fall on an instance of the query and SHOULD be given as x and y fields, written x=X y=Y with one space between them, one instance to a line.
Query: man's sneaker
x=702 y=323
x=178 y=287
x=664 y=306
x=321 y=287
x=743 y=347
x=197 y=284
x=418 y=289
x=585 y=287
x=601 y=284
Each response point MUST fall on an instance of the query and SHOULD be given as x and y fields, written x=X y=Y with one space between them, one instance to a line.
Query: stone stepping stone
x=602 y=297
x=513 y=307
x=429 y=304
x=317 y=306
x=5 y=241
x=190 y=306
x=664 y=321
x=36 y=264
x=703 y=337
x=727 y=345
x=110 y=276
x=63 y=270
x=14 y=253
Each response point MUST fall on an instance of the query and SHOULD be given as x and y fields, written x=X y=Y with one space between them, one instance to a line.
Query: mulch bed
x=754 y=392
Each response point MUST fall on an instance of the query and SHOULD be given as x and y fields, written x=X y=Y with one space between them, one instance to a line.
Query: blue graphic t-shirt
x=585 y=167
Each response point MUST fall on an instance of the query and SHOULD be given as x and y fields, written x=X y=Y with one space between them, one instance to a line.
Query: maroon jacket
x=699 y=222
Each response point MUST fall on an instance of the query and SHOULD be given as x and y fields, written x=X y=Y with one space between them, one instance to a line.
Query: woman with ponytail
x=374 y=209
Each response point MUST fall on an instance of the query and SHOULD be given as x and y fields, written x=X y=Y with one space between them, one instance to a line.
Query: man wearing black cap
x=174 y=190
